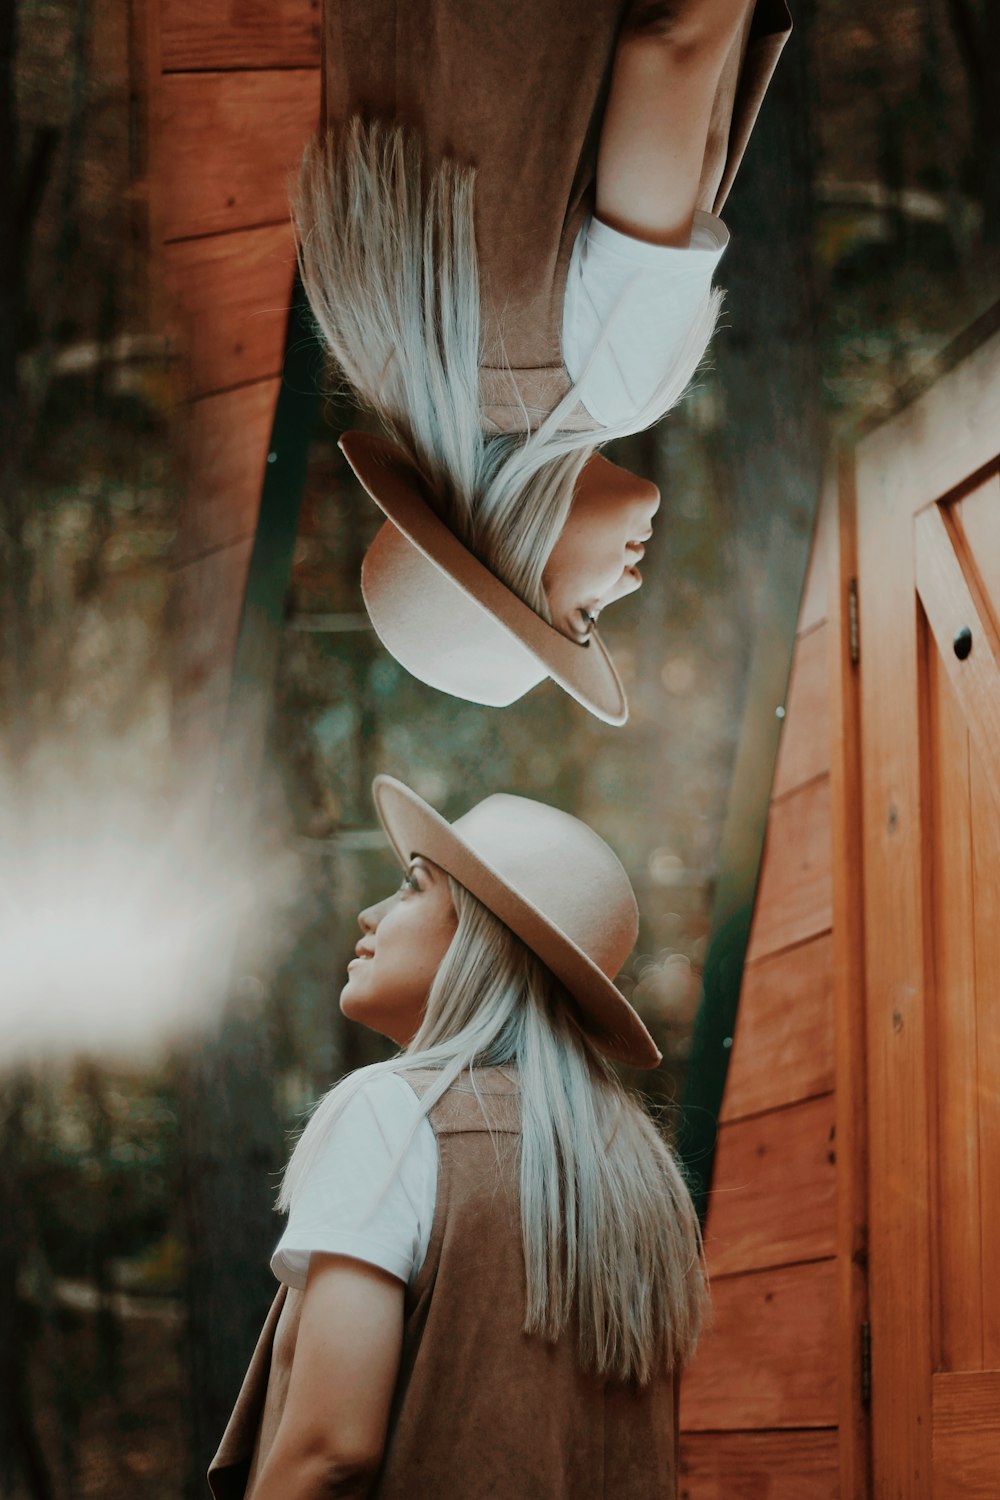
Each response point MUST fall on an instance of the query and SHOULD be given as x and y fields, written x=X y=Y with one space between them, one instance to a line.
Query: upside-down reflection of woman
x=491 y=1269
x=508 y=229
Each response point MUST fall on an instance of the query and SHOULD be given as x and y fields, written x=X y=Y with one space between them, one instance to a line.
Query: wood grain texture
x=967 y=1436
x=230 y=296
x=949 y=604
x=794 y=893
x=224 y=441
x=765 y=1362
x=958 y=1269
x=848 y=1001
x=773 y=1198
x=895 y=986
x=759 y=1466
x=977 y=516
x=985 y=819
x=256 y=123
x=812 y=607
x=783 y=1046
x=240 y=34
x=804 y=748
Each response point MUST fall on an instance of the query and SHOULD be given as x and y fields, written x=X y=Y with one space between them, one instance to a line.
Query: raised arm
x=332 y=1431
x=652 y=150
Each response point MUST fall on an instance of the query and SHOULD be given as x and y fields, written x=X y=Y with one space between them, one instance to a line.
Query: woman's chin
x=350 y=1003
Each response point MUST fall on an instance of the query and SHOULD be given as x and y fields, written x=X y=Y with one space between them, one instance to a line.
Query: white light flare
x=116 y=921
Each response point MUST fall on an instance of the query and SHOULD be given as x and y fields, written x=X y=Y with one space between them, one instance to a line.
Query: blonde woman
x=491 y=1269
x=508 y=229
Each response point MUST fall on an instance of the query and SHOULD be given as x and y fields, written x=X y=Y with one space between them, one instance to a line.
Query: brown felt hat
x=552 y=881
x=450 y=621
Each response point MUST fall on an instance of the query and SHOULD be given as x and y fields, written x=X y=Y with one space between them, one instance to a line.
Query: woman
x=508 y=227
x=491 y=1265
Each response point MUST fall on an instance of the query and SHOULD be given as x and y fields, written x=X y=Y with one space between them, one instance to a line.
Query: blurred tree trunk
x=768 y=359
x=232 y=1150
x=977 y=32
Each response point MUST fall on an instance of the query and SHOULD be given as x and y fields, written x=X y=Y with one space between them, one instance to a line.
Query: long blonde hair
x=387 y=255
x=608 y=1228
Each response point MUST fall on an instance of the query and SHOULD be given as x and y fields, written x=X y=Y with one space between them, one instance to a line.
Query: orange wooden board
x=986 y=894
x=783 y=1047
x=958 y=1267
x=812 y=607
x=224 y=439
x=948 y=585
x=966 y=1443
x=230 y=295
x=774 y=1183
x=847 y=962
x=978 y=518
x=804 y=749
x=766 y=1361
x=257 y=123
x=794 y=894
x=279 y=34
x=759 y=1466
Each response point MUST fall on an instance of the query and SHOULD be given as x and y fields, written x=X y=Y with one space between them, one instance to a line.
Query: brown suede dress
x=481 y=1411
x=518 y=91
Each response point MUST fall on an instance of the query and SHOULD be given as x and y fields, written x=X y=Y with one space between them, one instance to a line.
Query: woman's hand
x=332 y=1430
x=666 y=72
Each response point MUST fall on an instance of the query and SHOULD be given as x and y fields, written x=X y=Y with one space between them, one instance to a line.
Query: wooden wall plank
x=794 y=894
x=978 y=518
x=230 y=294
x=958 y=1269
x=275 y=34
x=966 y=1451
x=888 y=476
x=804 y=748
x=257 y=123
x=783 y=1046
x=774 y=1184
x=946 y=594
x=812 y=608
x=224 y=439
x=985 y=821
x=759 y=1466
x=848 y=964
x=765 y=1362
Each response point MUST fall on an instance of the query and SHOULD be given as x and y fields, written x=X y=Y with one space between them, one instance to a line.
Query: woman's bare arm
x=332 y=1431
x=655 y=128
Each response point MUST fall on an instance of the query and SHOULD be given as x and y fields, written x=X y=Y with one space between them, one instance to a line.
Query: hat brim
x=414 y=828
x=585 y=671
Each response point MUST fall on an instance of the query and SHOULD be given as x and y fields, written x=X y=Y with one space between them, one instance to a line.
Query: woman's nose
x=369 y=919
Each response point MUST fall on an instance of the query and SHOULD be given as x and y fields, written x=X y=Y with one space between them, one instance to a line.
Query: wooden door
x=928 y=519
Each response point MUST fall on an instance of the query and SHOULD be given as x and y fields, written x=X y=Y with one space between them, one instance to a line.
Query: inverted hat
x=450 y=621
x=553 y=881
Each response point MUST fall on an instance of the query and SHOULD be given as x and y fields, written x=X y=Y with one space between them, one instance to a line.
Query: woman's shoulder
x=386 y=1093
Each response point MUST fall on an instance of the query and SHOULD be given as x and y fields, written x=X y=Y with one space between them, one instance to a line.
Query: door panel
x=958 y=1278
x=928 y=518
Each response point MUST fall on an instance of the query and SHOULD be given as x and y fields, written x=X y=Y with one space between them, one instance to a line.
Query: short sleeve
x=338 y=1208
x=647 y=297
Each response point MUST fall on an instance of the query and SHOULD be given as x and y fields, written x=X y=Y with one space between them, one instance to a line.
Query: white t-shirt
x=334 y=1208
x=650 y=293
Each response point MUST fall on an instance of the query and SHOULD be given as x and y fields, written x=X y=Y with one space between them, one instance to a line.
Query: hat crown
x=562 y=868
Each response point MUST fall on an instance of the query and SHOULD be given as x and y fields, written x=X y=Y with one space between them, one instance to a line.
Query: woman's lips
x=636 y=548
